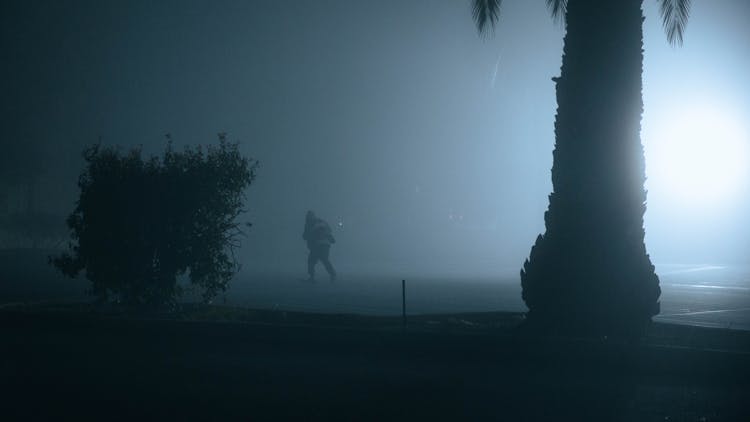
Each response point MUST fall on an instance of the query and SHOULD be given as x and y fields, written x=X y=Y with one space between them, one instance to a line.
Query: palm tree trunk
x=590 y=271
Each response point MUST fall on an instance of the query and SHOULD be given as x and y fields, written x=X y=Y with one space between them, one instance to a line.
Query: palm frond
x=485 y=14
x=674 y=17
x=557 y=9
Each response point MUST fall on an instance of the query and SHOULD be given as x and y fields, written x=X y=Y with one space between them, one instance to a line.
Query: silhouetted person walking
x=319 y=240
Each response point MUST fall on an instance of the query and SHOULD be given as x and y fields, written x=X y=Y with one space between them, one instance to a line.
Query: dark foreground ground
x=216 y=363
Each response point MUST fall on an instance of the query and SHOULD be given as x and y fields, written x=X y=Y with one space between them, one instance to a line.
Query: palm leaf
x=485 y=14
x=674 y=17
x=557 y=8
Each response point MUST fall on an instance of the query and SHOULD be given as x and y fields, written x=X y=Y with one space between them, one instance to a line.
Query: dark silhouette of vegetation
x=139 y=223
x=589 y=273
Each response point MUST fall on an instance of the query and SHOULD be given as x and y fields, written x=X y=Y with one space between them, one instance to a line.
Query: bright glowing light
x=697 y=157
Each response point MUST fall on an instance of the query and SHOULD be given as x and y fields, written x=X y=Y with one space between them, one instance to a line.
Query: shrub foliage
x=141 y=222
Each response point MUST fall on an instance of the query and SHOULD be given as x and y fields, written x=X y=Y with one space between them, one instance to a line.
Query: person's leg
x=324 y=254
x=311 y=260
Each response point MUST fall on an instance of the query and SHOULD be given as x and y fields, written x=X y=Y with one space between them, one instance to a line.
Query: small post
x=403 y=301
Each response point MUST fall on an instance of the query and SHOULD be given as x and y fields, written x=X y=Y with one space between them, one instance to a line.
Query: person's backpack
x=322 y=233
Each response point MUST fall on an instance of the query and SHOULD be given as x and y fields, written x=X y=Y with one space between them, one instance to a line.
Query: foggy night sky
x=383 y=114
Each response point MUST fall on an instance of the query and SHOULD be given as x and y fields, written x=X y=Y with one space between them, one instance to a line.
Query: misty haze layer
x=427 y=150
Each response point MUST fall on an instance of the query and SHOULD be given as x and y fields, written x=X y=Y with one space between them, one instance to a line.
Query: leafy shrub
x=139 y=223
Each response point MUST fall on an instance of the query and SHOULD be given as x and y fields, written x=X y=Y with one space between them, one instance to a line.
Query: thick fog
x=426 y=147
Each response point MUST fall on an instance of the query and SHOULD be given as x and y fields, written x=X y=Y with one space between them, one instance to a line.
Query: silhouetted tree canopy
x=674 y=15
x=140 y=222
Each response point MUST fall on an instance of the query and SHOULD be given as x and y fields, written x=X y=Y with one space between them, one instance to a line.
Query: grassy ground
x=213 y=362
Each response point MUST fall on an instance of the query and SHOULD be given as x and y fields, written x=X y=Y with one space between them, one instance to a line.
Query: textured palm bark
x=590 y=272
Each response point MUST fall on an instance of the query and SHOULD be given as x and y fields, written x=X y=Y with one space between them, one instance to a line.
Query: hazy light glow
x=697 y=157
